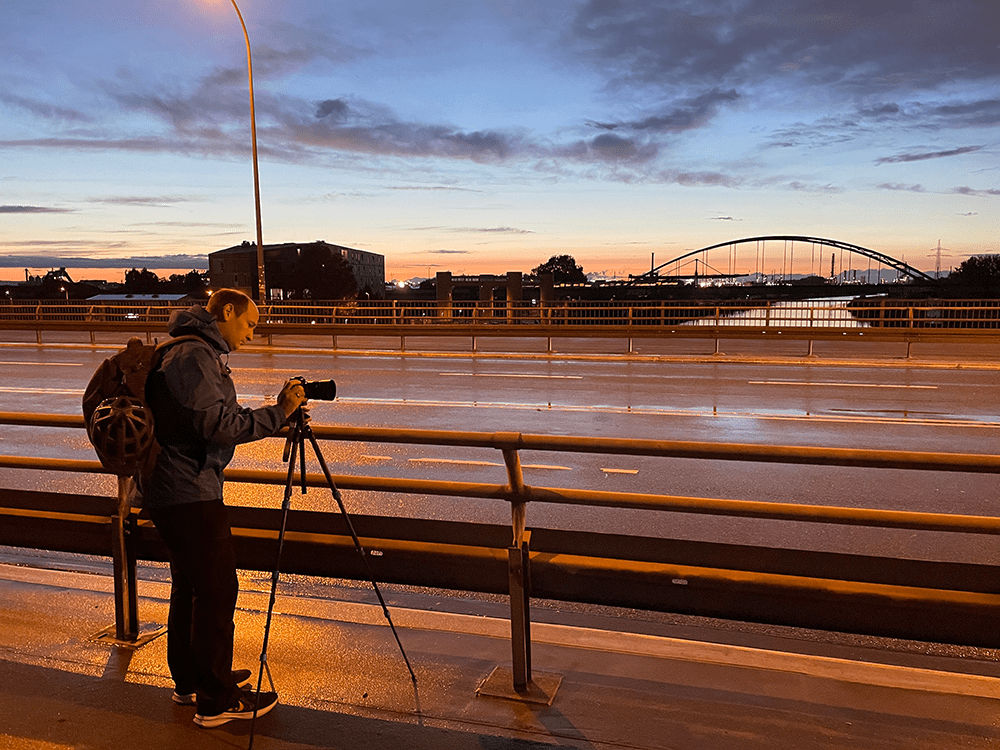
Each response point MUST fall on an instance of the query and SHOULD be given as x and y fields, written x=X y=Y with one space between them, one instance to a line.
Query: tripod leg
x=294 y=445
x=357 y=543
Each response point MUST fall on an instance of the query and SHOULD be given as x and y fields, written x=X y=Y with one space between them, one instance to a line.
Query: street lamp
x=261 y=285
x=65 y=291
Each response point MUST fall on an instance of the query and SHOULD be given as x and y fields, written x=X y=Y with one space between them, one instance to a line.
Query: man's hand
x=292 y=396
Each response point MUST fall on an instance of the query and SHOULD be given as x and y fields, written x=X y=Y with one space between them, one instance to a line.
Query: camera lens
x=320 y=390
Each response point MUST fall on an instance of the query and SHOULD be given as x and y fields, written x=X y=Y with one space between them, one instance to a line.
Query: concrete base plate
x=541 y=688
x=146 y=634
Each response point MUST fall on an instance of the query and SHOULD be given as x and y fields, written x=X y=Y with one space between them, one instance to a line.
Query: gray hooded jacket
x=198 y=422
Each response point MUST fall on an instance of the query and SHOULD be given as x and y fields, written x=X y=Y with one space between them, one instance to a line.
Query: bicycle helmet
x=121 y=429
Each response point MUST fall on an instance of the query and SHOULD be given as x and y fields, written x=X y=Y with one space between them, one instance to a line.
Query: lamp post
x=261 y=285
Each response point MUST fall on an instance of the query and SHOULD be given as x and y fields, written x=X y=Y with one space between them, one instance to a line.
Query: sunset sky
x=487 y=135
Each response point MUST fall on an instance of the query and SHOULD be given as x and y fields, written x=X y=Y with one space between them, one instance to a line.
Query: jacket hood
x=200 y=322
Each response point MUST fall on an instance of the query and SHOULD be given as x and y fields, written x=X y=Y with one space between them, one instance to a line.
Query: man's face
x=238 y=329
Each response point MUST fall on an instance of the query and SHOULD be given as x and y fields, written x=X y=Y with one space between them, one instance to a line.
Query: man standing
x=198 y=424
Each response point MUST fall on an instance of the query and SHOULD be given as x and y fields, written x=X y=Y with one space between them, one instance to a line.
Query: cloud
x=188 y=224
x=449 y=252
x=723 y=218
x=178 y=261
x=486 y=230
x=982 y=113
x=900 y=186
x=448 y=188
x=701 y=179
x=141 y=200
x=42 y=109
x=901 y=158
x=686 y=114
x=881 y=111
x=500 y=230
x=808 y=187
x=33 y=210
x=334 y=109
x=972 y=191
x=890 y=45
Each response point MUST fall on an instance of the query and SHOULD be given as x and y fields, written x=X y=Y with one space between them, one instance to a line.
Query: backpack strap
x=161 y=349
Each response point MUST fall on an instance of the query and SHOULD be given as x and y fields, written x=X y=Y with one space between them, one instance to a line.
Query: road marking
x=508 y=375
x=452 y=461
x=45 y=364
x=840 y=385
x=38 y=391
x=620 y=471
x=547 y=467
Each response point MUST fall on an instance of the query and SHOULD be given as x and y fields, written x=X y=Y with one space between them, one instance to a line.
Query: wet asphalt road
x=882 y=404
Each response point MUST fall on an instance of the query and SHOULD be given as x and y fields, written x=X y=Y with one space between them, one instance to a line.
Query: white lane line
x=38 y=391
x=507 y=375
x=45 y=364
x=546 y=467
x=452 y=461
x=841 y=385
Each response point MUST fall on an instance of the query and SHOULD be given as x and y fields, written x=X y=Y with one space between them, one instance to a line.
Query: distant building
x=236 y=267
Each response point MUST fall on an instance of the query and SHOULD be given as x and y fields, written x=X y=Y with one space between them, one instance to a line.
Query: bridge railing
x=949 y=602
x=869 y=313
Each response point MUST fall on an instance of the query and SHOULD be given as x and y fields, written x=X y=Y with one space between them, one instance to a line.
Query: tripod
x=299 y=432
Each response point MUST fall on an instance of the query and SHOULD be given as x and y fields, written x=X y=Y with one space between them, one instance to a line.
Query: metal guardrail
x=870 y=313
x=950 y=602
x=862 y=320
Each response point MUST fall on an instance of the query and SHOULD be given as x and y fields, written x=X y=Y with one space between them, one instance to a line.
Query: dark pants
x=203 y=595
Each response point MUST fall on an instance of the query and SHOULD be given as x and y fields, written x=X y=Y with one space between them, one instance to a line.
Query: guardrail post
x=126 y=628
x=519 y=577
x=520 y=614
x=126 y=598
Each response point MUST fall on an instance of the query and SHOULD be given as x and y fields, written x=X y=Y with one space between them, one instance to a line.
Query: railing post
x=126 y=598
x=520 y=615
x=126 y=628
x=519 y=577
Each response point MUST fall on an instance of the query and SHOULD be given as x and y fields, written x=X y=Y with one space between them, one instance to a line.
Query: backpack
x=119 y=422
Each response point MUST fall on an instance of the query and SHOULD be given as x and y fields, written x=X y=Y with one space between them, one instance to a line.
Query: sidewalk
x=344 y=685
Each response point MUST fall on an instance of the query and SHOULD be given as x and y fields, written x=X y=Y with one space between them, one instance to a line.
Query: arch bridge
x=788 y=258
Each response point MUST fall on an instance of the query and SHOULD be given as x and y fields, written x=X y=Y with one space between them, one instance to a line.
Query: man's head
x=235 y=314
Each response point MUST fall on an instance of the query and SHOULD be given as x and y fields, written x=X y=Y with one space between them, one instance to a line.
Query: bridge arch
x=887 y=260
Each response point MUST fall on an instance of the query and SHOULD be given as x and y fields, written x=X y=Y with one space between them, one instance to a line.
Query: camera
x=318 y=390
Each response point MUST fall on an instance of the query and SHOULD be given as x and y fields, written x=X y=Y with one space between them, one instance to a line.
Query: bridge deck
x=343 y=683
